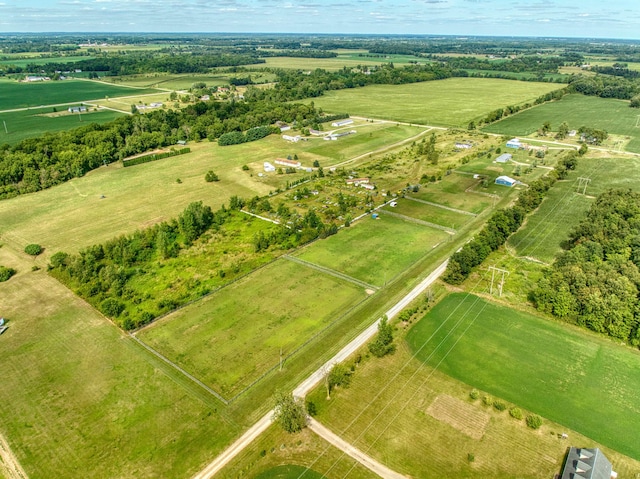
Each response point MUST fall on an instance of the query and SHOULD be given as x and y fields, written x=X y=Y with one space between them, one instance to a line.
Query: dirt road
x=10 y=465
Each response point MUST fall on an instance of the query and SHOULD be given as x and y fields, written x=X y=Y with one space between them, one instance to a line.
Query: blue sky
x=548 y=18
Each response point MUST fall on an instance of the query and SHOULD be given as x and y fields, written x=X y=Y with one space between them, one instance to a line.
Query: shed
x=393 y=204
x=374 y=216
x=504 y=158
x=268 y=167
x=513 y=143
x=342 y=122
x=505 y=181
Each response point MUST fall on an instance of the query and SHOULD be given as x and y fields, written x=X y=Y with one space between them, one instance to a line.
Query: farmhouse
x=342 y=122
x=268 y=167
x=315 y=132
x=463 y=145
x=77 y=109
x=288 y=163
x=358 y=181
x=505 y=181
x=205 y=98
x=367 y=186
x=504 y=158
x=514 y=143
x=294 y=139
x=587 y=464
x=34 y=78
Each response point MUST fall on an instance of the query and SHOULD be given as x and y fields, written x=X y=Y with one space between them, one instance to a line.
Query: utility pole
x=582 y=183
x=493 y=270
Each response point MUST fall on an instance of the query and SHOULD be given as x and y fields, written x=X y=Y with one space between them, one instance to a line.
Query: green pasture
x=233 y=337
x=374 y=251
x=23 y=62
x=80 y=399
x=561 y=373
x=563 y=208
x=23 y=95
x=453 y=102
x=387 y=411
x=279 y=455
x=451 y=191
x=350 y=60
x=430 y=213
x=577 y=110
x=34 y=122
x=184 y=81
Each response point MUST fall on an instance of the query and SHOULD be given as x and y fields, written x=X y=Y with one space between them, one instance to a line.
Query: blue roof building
x=505 y=181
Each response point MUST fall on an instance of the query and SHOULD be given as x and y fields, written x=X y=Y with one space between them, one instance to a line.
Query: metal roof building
x=587 y=464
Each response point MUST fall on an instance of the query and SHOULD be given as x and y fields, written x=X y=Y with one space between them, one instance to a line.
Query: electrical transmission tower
x=504 y=272
x=582 y=183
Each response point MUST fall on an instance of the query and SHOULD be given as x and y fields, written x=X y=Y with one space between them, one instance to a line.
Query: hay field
x=451 y=192
x=82 y=400
x=429 y=213
x=563 y=374
x=452 y=102
x=233 y=337
x=374 y=251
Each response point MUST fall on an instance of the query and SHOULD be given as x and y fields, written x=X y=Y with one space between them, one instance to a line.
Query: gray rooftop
x=586 y=464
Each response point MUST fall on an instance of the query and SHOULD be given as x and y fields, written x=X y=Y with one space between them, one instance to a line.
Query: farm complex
x=273 y=257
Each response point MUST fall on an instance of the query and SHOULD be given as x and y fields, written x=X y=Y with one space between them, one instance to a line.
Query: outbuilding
x=505 y=181
x=342 y=122
x=514 y=143
x=504 y=158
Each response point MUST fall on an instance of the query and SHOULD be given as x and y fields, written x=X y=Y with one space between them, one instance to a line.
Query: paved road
x=367 y=461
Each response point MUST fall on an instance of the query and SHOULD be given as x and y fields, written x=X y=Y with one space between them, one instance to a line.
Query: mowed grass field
x=564 y=208
x=23 y=62
x=80 y=399
x=14 y=94
x=374 y=251
x=576 y=379
x=230 y=339
x=451 y=192
x=36 y=122
x=614 y=116
x=429 y=213
x=184 y=81
x=453 y=102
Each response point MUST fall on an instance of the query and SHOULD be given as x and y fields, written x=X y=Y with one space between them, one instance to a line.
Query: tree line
x=595 y=282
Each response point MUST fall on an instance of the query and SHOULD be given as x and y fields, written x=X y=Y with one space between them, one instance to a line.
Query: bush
x=474 y=394
x=534 y=421
x=516 y=413
x=383 y=344
x=312 y=410
x=499 y=405
x=245 y=168
x=487 y=400
x=33 y=249
x=6 y=273
x=111 y=307
x=211 y=176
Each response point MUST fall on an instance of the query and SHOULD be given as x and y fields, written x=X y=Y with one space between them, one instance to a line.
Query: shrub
x=312 y=410
x=245 y=168
x=499 y=405
x=111 y=307
x=474 y=394
x=383 y=344
x=471 y=457
x=211 y=176
x=534 y=421
x=516 y=413
x=6 y=273
x=487 y=400
x=33 y=249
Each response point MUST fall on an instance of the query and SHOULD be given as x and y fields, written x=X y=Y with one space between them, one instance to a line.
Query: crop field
x=278 y=455
x=559 y=372
x=82 y=400
x=23 y=62
x=430 y=213
x=233 y=337
x=452 y=102
x=35 y=122
x=343 y=59
x=563 y=208
x=451 y=192
x=608 y=114
x=374 y=251
x=23 y=95
x=422 y=423
x=183 y=81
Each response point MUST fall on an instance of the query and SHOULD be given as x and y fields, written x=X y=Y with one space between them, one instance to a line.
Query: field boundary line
x=462 y=212
x=179 y=369
x=446 y=229
x=352 y=451
x=329 y=271
x=10 y=463
x=260 y=217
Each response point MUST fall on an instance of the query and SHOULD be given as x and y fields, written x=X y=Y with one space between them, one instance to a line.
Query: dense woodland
x=596 y=281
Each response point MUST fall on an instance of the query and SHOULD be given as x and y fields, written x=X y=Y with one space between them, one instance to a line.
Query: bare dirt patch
x=8 y=463
x=460 y=415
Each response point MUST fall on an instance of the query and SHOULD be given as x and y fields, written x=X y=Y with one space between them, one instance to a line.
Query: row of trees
x=503 y=223
x=596 y=282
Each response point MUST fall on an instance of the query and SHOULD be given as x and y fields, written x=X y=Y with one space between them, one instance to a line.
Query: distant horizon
x=620 y=20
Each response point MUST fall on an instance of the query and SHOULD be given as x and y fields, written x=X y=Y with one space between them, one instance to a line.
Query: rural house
x=288 y=163
x=587 y=464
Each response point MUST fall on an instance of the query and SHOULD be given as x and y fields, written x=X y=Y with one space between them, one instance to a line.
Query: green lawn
x=429 y=213
x=577 y=110
x=183 y=81
x=452 y=102
x=80 y=399
x=36 y=122
x=233 y=337
x=563 y=208
x=374 y=251
x=563 y=374
x=451 y=192
x=23 y=62
x=14 y=94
